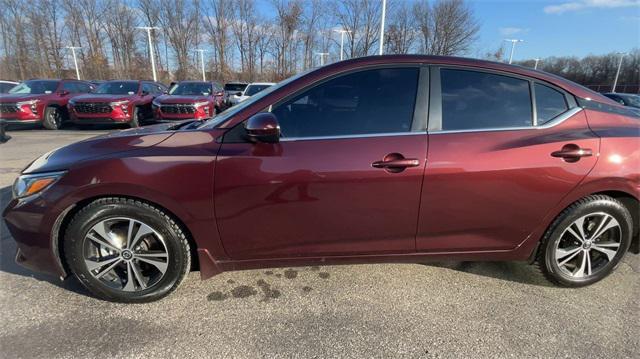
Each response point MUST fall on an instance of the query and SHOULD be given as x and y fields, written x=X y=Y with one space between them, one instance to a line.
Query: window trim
x=435 y=102
x=420 y=107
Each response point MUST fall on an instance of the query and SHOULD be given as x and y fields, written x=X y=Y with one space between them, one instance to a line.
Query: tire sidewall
x=135 y=120
x=613 y=209
x=49 y=121
x=84 y=221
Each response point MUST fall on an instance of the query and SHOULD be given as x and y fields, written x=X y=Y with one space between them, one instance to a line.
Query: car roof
x=262 y=83
x=572 y=87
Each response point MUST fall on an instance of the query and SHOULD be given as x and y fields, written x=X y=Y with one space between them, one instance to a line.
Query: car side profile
x=472 y=160
x=41 y=102
x=189 y=100
x=118 y=101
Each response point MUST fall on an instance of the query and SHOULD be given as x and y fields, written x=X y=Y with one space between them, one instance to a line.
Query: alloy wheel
x=588 y=245
x=125 y=254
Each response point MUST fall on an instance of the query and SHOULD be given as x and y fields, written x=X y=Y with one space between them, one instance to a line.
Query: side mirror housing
x=263 y=127
x=145 y=93
x=238 y=94
x=64 y=93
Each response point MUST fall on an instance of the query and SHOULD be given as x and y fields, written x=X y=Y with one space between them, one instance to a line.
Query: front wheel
x=124 y=250
x=586 y=242
x=137 y=117
x=53 y=118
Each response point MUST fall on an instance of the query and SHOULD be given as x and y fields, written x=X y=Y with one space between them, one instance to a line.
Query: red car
x=376 y=159
x=189 y=100
x=118 y=101
x=40 y=102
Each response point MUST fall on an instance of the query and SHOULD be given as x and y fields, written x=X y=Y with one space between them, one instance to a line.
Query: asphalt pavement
x=436 y=310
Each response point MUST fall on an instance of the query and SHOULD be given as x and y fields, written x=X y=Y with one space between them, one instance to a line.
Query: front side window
x=473 y=100
x=118 y=88
x=549 y=103
x=35 y=87
x=70 y=87
x=366 y=102
x=254 y=89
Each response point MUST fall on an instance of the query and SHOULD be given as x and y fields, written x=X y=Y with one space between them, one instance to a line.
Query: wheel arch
x=633 y=206
x=61 y=224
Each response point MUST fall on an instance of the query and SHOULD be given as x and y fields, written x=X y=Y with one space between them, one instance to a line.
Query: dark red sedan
x=378 y=159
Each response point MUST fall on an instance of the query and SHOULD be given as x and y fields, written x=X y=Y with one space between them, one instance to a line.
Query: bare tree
x=402 y=31
x=362 y=19
x=448 y=27
x=217 y=24
x=180 y=19
x=288 y=19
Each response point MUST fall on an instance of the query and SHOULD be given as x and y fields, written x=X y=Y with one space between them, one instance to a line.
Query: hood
x=168 y=99
x=101 y=146
x=92 y=97
x=19 y=97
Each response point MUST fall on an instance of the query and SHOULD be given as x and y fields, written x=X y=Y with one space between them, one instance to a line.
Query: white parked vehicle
x=250 y=90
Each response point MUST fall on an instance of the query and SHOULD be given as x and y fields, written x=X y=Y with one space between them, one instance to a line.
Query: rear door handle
x=395 y=162
x=572 y=153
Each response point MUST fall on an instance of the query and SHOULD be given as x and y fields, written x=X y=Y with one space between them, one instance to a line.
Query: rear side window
x=549 y=103
x=83 y=87
x=70 y=87
x=474 y=100
x=366 y=102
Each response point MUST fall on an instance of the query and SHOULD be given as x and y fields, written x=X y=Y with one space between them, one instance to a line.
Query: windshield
x=235 y=87
x=191 y=89
x=254 y=89
x=118 y=88
x=35 y=87
x=231 y=111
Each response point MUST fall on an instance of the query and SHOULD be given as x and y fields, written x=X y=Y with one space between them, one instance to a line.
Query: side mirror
x=64 y=93
x=238 y=94
x=263 y=127
x=145 y=93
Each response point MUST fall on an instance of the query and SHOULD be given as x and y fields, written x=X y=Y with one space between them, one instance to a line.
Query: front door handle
x=395 y=163
x=572 y=153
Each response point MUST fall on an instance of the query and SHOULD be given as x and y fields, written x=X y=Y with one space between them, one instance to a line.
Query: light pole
x=153 y=61
x=513 y=47
x=384 y=13
x=202 y=51
x=342 y=32
x=535 y=66
x=615 y=81
x=322 y=55
x=75 y=60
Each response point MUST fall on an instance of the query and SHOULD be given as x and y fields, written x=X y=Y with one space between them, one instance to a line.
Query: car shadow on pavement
x=519 y=272
x=8 y=251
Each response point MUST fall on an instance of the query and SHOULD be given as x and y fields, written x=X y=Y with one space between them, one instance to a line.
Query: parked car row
x=52 y=103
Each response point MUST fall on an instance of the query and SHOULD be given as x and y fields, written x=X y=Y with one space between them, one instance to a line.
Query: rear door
x=503 y=150
x=345 y=178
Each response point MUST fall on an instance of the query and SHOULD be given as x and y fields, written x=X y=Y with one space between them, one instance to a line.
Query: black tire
x=137 y=117
x=53 y=118
x=177 y=246
x=595 y=205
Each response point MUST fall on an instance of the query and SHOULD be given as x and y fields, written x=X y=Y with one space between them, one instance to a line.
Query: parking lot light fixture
x=75 y=59
x=342 y=32
x=384 y=14
x=513 y=47
x=153 y=61
x=535 y=66
x=615 y=81
x=202 y=51
x=322 y=55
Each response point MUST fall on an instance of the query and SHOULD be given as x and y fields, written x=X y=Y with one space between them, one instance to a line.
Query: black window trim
x=434 y=124
x=421 y=103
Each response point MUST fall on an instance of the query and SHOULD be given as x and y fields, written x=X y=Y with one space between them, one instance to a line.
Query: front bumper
x=35 y=227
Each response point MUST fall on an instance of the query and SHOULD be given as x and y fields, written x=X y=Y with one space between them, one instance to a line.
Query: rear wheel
x=586 y=242
x=53 y=118
x=125 y=250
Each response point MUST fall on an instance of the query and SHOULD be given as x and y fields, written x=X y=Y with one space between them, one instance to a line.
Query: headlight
x=200 y=104
x=72 y=102
x=27 y=185
x=33 y=105
x=122 y=104
x=156 y=103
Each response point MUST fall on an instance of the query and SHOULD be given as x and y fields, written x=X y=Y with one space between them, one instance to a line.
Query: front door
x=345 y=178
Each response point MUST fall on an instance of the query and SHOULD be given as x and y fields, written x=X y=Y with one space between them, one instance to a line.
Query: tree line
x=248 y=40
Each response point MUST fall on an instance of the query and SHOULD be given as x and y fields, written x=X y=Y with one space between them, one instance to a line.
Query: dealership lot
x=392 y=310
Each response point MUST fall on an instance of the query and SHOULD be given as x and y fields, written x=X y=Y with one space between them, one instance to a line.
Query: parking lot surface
x=436 y=310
